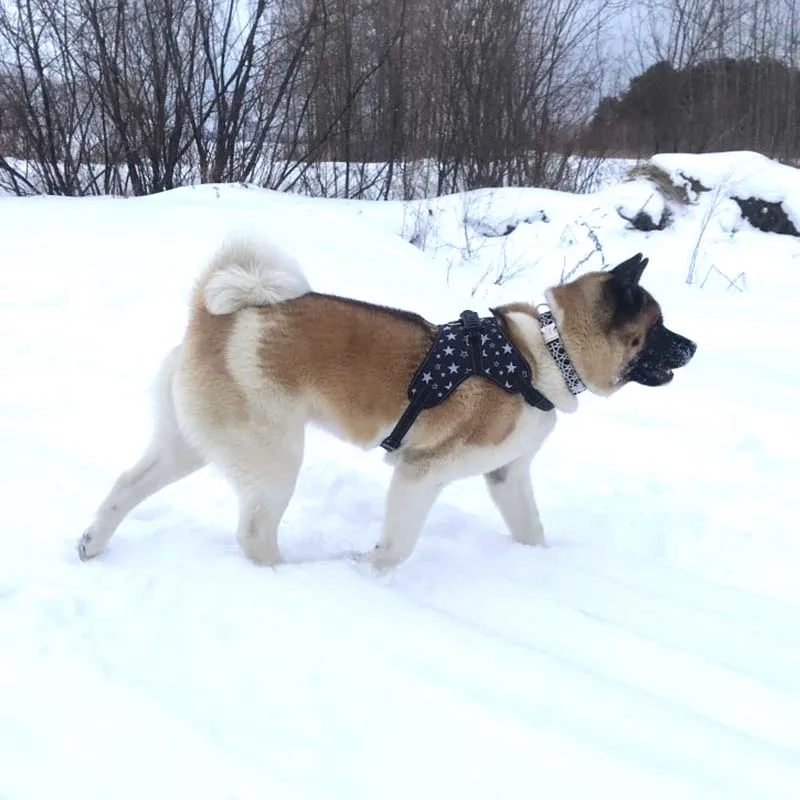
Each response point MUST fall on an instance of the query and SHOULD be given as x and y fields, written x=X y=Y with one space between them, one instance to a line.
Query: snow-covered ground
x=652 y=651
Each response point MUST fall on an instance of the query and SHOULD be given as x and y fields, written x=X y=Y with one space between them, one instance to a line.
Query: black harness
x=469 y=346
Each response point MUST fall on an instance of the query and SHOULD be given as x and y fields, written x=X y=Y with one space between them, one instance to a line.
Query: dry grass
x=661 y=180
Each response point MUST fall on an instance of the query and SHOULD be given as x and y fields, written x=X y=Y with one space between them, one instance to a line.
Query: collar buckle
x=550 y=332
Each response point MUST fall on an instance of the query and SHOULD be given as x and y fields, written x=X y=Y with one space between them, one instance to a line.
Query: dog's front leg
x=408 y=502
x=511 y=490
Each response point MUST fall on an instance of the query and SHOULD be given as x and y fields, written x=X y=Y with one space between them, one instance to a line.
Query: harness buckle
x=470 y=320
x=390 y=443
x=472 y=328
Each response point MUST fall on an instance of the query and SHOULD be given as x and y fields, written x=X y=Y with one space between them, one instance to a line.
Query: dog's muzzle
x=663 y=351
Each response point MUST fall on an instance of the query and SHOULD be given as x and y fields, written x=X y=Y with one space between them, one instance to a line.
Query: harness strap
x=533 y=396
x=395 y=438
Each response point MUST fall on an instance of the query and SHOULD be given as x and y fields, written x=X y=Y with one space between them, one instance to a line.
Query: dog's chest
x=532 y=427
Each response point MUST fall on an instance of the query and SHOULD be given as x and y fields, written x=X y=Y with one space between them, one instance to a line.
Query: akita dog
x=264 y=355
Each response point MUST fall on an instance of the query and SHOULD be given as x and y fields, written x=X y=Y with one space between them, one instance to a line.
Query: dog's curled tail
x=247 y=271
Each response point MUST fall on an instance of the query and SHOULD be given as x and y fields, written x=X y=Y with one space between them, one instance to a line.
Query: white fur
x=408 y=502
x=168 y=458
x=510 y=488
x=250 y=272
x=261 y=464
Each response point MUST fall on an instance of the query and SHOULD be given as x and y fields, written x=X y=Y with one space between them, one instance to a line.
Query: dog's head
x=614 y=331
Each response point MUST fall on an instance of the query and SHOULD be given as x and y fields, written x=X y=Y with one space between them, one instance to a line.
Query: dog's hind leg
x=510 y=488
x=408 y=502
x=263 y=469
x=168 y=458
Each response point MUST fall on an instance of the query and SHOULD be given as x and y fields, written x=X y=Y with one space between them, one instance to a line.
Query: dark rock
x=490 y=231
x=766 y=216
x=642 y=221
x=694 y=184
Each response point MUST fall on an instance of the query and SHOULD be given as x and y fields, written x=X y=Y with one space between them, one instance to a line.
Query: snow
x=653 y=649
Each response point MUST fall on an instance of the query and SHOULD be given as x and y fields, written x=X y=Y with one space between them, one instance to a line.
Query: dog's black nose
x=691 y=347
x=675 y=350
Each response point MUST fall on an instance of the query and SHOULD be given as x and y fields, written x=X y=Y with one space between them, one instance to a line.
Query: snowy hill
x=652 y=650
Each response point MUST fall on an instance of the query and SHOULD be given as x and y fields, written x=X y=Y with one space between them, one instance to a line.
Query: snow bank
x=486 y=239
x=766 y=191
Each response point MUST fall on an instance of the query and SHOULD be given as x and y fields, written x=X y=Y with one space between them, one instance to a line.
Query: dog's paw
x=531 y=538
x=264 y=556
x=538 y=543
x=87 y=547
x=379 y=558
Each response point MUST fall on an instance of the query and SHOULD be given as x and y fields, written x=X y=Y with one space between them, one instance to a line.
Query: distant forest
x=723 y=104
x=382 y=98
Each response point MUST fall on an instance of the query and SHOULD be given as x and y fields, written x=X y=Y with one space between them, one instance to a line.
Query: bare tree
x=351 y=97
x=47 y=113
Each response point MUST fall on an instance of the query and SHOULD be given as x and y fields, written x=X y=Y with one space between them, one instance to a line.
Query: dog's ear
x=623 y=286
x=630 y=272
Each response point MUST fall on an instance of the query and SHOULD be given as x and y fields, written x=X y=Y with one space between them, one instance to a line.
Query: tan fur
x=205 y=358
x=599 y=350
x=263 y=356
x=349 y=362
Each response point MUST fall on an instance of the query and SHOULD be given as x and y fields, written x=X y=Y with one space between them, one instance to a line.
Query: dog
x=263 y=355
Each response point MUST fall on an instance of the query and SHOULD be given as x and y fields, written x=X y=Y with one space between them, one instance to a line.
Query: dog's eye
x=636 y=342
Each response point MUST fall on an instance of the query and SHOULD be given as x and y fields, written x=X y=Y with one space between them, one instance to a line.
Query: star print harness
x=469 y=346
